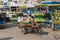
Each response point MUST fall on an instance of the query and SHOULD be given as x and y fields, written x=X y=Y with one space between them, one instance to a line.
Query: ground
x=12 y=32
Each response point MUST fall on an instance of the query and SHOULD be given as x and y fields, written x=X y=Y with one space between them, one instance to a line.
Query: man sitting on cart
x=27 y=23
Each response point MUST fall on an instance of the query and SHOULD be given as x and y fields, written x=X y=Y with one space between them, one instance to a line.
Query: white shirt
x=20 y=19
x=30 y=18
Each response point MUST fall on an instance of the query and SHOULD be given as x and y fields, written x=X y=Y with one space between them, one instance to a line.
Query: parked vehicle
x=2 y=21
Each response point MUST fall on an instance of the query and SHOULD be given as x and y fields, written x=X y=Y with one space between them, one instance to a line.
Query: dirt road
x=12 y=32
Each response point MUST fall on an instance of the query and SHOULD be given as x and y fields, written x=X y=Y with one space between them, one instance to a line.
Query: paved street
x=14 y=33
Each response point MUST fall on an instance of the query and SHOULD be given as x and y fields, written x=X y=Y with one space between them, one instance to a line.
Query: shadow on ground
x=39 y=33
x=57 y=37
x=9 y=26
x=8 y=38
x=42 y=33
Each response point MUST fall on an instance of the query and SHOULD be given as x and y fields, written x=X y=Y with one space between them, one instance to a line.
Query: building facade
x=16 y=2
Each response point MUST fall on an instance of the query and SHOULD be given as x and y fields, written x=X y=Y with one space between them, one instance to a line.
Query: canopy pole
x=52 y=21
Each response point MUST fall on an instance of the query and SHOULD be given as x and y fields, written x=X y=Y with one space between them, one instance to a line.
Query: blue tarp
x=57 y=27
x=1 y=22
x=30 y=11
x=51 y=3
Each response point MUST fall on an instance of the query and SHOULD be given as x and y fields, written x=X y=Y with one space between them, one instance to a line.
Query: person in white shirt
x=20 y=20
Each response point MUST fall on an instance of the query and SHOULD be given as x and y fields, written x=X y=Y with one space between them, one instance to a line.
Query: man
x=30 y=22
x=20 y=21
x=20 y=18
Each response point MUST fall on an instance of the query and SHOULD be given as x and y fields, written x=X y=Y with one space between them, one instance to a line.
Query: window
x=31 y=10
x=26 y=1
x=9 y=0
x=15 y=1
x=58 y=8
x=1 y=9
x=23 y=10
x=5 y=9
x=13 y=9
x=51 y=8
x=1 y=17
x=43 y=8
x=38 y=9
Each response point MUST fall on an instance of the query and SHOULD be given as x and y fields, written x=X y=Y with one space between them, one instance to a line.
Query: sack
x=26 y=22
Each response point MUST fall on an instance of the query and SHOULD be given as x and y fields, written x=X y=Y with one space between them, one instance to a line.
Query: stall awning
x=48 y=5
x=50 y=2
